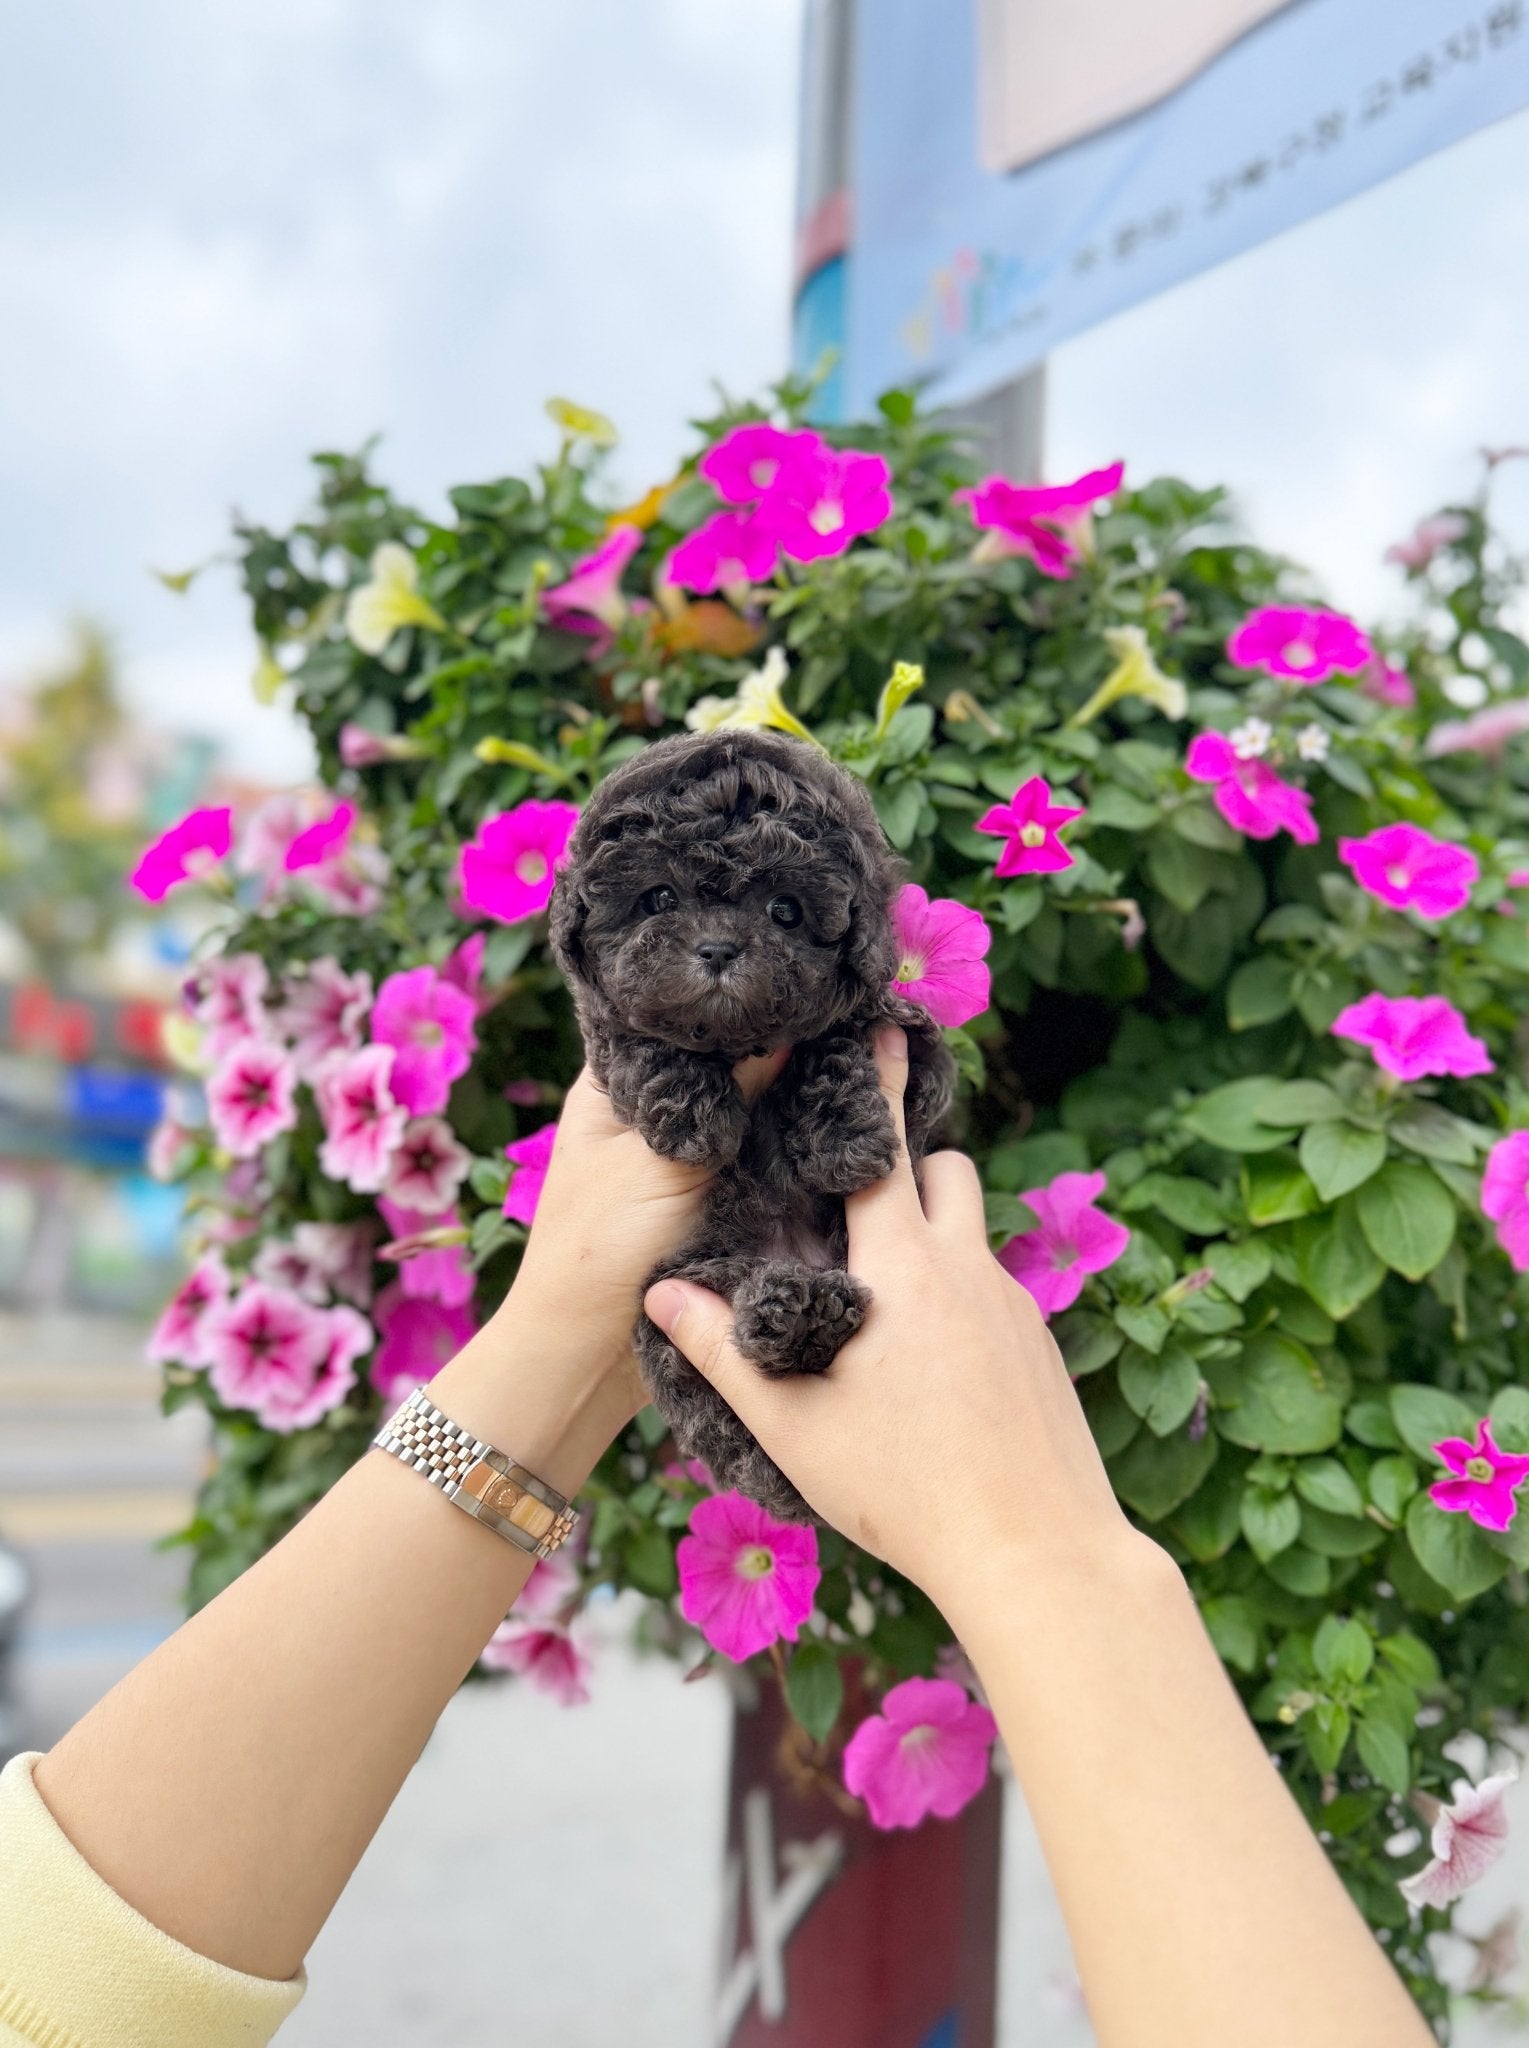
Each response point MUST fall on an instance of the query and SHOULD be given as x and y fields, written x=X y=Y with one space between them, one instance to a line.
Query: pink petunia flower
x=288 y=1405
x=1248 y=793
x=1505 y=1195
x=323 y=1012
x=927 y=1752
x=849 y=494
x=321 y=842
x=731 y=548
x=440 y=1273
x=250 y=1096
x=431 y=1026
x=553 y=1659
x=757 y=458
x=507 y=871
x=416 y=1339
x=1411 y=1036
x=1408 y=868
x=746 y=1580
x=1071 y=1240
x=1383 y=681
x=169 y=1142
x=590 y=600
x=529 y=1158
x=350 y=886
x=180 y=1334
x=1469 y=1835
x=1489 y=731
x=1042 y=521
x=363 y=1121
x=342 y=1253
x=187 y=851
x=266 y=1349
x=360 y=747
x=1485 y=1479
x=1426 y=539
x=940 y=948
x=269 y=831
x=463 y=967
x=1030 y=823
x=551 y=1590
x=1302 y=645
x=227 y=1000
x=429 y=1166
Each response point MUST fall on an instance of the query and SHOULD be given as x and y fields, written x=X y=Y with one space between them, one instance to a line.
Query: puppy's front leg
x=835 y=1125
x=685 y=1104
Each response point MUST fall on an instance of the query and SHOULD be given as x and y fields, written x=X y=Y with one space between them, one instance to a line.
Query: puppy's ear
x=568 y=915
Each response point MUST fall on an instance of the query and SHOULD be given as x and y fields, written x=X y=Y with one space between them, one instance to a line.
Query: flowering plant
x=1217 y=901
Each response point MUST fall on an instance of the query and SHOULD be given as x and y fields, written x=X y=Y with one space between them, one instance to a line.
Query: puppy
x=725 y=894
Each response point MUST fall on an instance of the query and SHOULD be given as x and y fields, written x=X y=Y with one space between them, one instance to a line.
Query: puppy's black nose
x=717 y=952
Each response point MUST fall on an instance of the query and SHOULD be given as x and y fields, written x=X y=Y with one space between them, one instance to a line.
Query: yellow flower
x=758 y=702
x=1135 y=674
x=906 y=677
x=644 y=511
x=580 y=423
x=706 y=714
x=268 y=677
x=375 y=610
x=182 y=1038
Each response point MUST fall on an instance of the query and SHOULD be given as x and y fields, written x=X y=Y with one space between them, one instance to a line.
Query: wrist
x=1033 y=1588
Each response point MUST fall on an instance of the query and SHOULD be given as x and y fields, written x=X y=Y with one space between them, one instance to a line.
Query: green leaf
x=1210 y=1521
x=1228 y=1117
x=1276 y=1190
x=1162 y=1391
x=1088 y=1341
x=1231 y=1622
x=650 y=1563
x=1270 y=1521
x=1412 y=1660
x=1146 y=1325
x=488 y=1179
x=1301 y=1571
x=1325 y=1730
x=1369 y=1421
x=1192 y=1204
x=1154 y=1474
x=1300 y=1102
x=815 y=1688
x=1276 y=1399
x=1424 y=1127
x=1238 y=1268
x=1408 y=1218
x=1392 y=1483
x=1425 y=1414
x=1328 y=1485
x=1451 y=1549
x=1205 y=826
x=1115 y=806
x=1335 y=1261
x=1338 y=1535
x=1510 y=1418
x=1339 y=1157
x=1343 y=1651
x=1259 y=992
x=1384 y=1753
x=1186 y=874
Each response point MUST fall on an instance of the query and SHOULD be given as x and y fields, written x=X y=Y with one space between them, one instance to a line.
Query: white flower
x=758 y=702
x=1468 y=1837
x=707 y=713
x=1313 y=742
x=375 y=610
x=1251 y=739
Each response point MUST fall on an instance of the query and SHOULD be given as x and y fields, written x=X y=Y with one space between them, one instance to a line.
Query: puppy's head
x=727 y=891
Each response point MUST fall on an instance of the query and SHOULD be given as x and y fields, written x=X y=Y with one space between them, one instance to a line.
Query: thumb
x=699 y=1324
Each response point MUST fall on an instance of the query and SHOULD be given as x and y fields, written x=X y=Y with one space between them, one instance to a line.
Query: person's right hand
x=946 y=1433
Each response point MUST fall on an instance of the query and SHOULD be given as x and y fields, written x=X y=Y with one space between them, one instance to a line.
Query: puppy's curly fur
x=728 y=893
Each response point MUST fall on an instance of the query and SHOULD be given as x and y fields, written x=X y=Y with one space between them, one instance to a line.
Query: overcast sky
x=236 y=230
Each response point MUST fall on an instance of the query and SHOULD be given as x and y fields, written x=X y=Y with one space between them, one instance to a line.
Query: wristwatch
x=485 y=1483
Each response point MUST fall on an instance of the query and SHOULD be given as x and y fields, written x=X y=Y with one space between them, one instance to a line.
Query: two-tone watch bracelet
x=483 y=1482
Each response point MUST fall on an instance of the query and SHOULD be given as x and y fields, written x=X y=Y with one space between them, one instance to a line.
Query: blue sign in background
x=964 y=277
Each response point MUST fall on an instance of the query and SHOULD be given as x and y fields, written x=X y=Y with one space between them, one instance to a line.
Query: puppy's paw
x=791 y=1318
x=699 y=1120
x=854 y=1151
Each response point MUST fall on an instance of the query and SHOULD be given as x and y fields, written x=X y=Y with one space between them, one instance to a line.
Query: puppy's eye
x=784 y=910
x=653 y=902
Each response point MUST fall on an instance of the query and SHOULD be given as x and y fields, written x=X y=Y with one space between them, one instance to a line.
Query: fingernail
x=664 y=1305
x=892 y=1042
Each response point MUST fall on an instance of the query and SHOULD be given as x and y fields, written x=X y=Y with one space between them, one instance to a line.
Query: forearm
x=229 y=1785
x=1200 y=1906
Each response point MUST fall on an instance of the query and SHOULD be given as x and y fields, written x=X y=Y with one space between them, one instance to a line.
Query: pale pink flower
x=288 y=1405
x=1468 y=1837
x=1486 y=1479
x=1248 y=794
x=341 y=1255
x=250 y=1096
x=756 y=458
x=360 y=747
x=227 y=1000
x=590 y=600
x=553 y=1659
x=282 y=1262
x=429 y=1166
x=1488 y=731
x=322 y=842
x=352 y=885
x=746 y=1580
x=848 y=494
x=169 y=1142
x=732 y=548
x=940 y=948
x=1301 y=644
x=180 y=1333
x=927 y=1752
x=416 y=1339
x=440 y=1273
x=1426 y=539
x=1505 y=1195
x=508 y=870
x=323 y=1012
x=1071 y=1240
x=694 y=1471
x=1383 y=681
x=1043 y=521
x=525 y=1093
x=1029 y=824
x=1411 y=870
x=266 y=1349
x=187 y=851
x=431 y=1025
x=1412 y=1036
x=363 y=1122
x=463 y=967
x=551 y=1591
x=529 y=1160
x=270 y=830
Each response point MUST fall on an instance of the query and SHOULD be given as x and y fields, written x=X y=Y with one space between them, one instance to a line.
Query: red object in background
x=54 y=1026
x=36 y=1021
x=837 y=1935
x=139 y=1032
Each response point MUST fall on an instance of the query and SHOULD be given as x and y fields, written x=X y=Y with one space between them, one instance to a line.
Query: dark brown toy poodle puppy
x=730 y=893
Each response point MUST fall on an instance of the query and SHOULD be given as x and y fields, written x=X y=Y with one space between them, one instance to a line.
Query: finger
x=953 y=1196
x=755 y=1074
x=699 y=1324
x=890 y=1208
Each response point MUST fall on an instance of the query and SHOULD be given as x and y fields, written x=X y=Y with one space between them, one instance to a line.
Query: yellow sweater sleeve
x=79 y=1968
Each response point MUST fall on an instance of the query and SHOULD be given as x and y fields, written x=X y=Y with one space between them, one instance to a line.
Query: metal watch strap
x=485 y=1483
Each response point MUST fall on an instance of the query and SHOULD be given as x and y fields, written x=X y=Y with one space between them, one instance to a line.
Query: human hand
x=946 y=1434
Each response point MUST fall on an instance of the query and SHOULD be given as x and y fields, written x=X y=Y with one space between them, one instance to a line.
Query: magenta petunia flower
x=227 y=998
x=429 y=1272
x=1505 y=1195
x=288 y=1406
x=731 y=548
x=1468 y=1837
x=269 y=1350
x=590 y=600
x=1488 y=731
x=1302 y=645
x=321 y=842
x=416 y=1338
x=1383 y=681
x=756 y=458
x=189 y=849
x=1485 y=1479
x=1071 y=1240
x=1043 y=521
x=940 y=948
x=1411 y=1036
x=463 y=967
x=529 y=1159
x=553 y=1659
x=250 y=1096
x=1248 y=793
x=323 y=1012
x=927 y=1752
x=429 y=1166
x=1426 y=539
x=179 y=1334
x=363 y=1121
x=848 y=494
x=507 y=871
x=1411 y=870
x=431 y=1026
x=746 y=1580
x=1030 y=823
